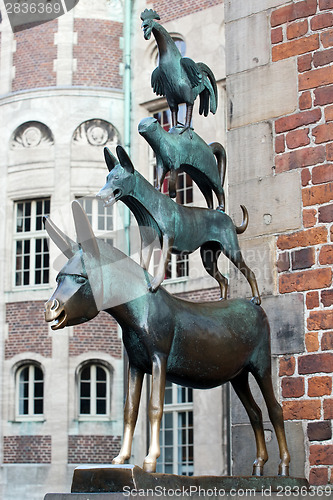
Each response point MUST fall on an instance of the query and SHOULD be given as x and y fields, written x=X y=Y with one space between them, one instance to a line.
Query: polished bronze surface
x=195 y=344
x=175 y=151
x=180 y=229
x=178 y=78
x=130 y=478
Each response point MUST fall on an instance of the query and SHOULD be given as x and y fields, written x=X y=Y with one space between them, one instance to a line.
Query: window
x=179 y=264
x=101 y=218
x=30 y=391
x=176 y=434
x=31 y=243
x=94 y=391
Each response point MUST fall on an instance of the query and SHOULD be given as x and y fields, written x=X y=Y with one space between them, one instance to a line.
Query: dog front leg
x=167 y=244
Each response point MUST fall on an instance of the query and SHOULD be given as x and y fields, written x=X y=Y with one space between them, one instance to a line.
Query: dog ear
x=125 y=160
x=111 y=161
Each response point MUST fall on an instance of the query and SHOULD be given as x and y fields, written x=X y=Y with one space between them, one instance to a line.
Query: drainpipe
x=127 y=102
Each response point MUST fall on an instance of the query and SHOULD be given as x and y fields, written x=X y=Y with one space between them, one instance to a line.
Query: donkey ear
x=111 y=161
x=63 y=242
x=124 y=160
x=84 y=232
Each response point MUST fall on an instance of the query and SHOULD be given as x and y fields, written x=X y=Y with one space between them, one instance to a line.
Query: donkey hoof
x=153 y=286
x=149 y=466
x=258 y=470
x=118 y=460
x=283 y=470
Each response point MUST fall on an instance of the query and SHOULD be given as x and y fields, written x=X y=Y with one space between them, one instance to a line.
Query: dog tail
x=240 y=229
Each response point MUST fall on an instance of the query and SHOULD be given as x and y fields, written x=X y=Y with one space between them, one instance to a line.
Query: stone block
x=259 y=255
x=259 y=94
x=244 y=450
x=236 y=9
x=245 y=50
x=273 y=203
x=286 y=318
x=250 y=152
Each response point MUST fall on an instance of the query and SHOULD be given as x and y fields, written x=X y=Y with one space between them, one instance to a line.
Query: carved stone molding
x=96 y=133
x=32 y=135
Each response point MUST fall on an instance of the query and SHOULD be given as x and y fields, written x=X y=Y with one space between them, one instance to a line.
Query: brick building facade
x=61 y=101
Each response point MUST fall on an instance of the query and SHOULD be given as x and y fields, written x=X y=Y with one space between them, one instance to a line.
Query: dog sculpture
x=179 y=228
x=206 y=164
x=199 y=345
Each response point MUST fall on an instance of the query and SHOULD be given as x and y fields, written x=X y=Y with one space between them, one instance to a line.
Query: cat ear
x=111 y=161
x=125 y=160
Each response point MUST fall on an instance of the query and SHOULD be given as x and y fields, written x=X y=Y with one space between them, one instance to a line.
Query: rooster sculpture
x=178 y=78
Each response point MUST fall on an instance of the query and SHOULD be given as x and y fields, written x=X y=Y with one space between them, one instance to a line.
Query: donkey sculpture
x=180 y=229
x=199 y=345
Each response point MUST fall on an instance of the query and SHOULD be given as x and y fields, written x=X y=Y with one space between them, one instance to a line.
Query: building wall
x=52 y=82
x=279 y=142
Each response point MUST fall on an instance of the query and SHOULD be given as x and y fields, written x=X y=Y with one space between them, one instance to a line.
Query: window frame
x=93 y=415
x=109 y=235
x=32 y=236
x=176 y=260
x=175 y=409
x=31 y=415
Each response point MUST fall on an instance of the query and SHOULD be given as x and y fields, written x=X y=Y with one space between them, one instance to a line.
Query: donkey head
x=120 y=180
x=78 y=295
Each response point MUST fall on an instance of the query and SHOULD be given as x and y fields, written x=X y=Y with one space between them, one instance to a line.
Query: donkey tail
x=240 y=229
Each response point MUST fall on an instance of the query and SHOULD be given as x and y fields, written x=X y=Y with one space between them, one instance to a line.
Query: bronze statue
x=199 y=345
x=179 y=78
x=179 y=228
x=174 y=151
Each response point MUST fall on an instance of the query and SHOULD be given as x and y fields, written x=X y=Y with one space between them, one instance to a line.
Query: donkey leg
x=135 y=378
x=276 y=417
x=209 y=255
x=155 y=411
x=242 y=389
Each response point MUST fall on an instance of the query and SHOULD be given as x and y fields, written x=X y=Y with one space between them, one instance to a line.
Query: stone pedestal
x=113 y=482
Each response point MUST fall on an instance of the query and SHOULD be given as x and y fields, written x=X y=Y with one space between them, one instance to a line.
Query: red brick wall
x=303 y=141
x=27 y=449
x=99 y=334
x=34 y=56
x=27 y=329
x=173 y=9
x=201 y=295
x=92 y=449
x=99 y=66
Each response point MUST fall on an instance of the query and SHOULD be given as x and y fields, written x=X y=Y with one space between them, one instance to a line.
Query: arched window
x=30 y=391
x=94 y=391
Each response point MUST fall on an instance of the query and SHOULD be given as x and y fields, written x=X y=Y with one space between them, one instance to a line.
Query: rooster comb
x=149 y=14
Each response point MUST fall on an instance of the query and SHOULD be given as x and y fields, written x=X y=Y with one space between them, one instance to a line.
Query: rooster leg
x=189 y=111
x=174 y=113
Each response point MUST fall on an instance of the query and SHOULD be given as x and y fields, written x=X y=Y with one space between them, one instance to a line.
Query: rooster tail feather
x=210 y=86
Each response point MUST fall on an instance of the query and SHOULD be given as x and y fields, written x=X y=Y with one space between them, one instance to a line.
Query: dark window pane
x=45 y=276
x=101 y=374
x=101 y=390
x=38 y=406
x=85 y=389
x=26 y=278
x=101 y=407
x=39 y=389
x=85 y=406
x=37 y=277
x=85 y=373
